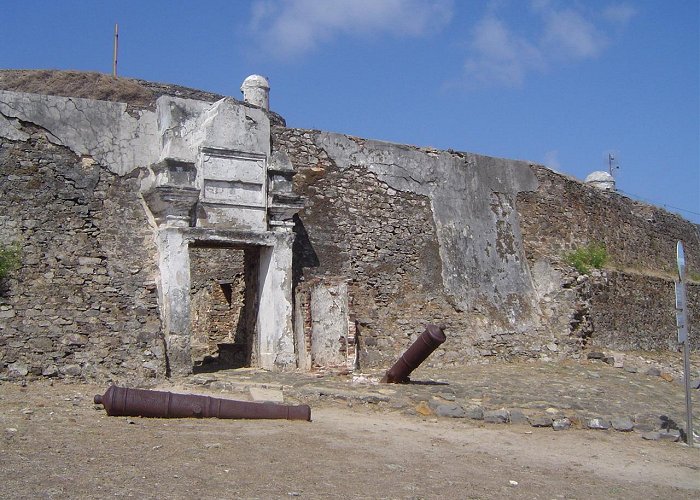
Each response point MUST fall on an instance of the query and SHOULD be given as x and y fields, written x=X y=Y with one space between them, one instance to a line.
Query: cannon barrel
x=424 y=345
x=119 y=401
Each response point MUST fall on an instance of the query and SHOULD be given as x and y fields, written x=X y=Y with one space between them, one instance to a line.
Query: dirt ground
x=57 y=444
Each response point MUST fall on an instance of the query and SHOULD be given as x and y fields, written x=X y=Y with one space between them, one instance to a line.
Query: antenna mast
x=611 y=163
x=116 y=48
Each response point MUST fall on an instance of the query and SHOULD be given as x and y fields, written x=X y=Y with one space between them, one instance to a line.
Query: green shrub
x=593 y=255
x=9 y=259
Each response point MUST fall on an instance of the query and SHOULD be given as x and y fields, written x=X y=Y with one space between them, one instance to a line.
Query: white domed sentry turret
x=601 y=180
x=256 y=91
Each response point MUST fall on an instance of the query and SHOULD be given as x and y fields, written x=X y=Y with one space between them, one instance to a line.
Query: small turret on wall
x=601 y=180
x=256 y=91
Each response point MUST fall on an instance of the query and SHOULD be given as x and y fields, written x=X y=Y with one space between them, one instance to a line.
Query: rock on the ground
x=619 y=360
x=475 y=412
x=452 y=410
x=71 y=370
x=622 y=424
x=496 y=416
x=49 y=371
x=561 y=424
x=17 y=369
x=540 y=421
x=598 y=423
x=423 y=409
x=647 y=422
x=517 y=417
x=672 y=435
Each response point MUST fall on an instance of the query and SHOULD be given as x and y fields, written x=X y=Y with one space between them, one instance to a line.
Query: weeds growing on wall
x=9 y=259
x=592 y=256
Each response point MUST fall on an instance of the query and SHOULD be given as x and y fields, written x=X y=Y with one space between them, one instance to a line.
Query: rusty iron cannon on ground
x=120 y=401
x=423 y=347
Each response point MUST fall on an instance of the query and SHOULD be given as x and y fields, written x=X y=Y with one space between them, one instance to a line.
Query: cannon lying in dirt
x=119 y=401
x=424 y=345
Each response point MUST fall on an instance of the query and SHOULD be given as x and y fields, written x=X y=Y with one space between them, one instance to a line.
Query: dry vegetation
x=136 y=93
x=77 y=84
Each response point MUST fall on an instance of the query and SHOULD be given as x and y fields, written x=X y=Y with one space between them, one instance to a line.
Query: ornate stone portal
x=217 y=185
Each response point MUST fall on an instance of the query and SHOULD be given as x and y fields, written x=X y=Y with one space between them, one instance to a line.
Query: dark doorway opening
x=223 y=306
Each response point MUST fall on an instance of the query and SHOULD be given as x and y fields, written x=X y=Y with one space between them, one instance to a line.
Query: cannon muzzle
x=424 y=345
x=119 y=401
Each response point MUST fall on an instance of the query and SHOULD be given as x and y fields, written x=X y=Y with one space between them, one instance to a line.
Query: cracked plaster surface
x=11 y=129
x=186 y=125
x=101 y=129
x=473 y=204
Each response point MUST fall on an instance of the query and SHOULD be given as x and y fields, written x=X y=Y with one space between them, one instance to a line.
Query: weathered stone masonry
x=419 y=236
x=84 y=302
x=156 y=240
x=373 y=212
x=631 y=305
x=191 y=175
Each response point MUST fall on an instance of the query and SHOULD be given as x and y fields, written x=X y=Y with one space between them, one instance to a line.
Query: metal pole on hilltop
x=684 y=337
x=116 y=48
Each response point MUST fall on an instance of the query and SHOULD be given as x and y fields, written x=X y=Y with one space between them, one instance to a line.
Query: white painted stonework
x=256 y=91
x=601 y=180
x=100 y=129
x=329 y=323
x=204 y=181
x=220 y=153
x=174 y=295
x=275 y=331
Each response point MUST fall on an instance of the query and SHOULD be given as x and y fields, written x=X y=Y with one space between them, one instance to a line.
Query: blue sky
x=559 y=82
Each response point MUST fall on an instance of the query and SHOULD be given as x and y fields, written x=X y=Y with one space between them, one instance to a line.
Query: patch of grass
x=592 y=256
x=9 y=259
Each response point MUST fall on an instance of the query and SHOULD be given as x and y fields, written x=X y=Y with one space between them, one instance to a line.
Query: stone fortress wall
x=629 y=305
x=368 y=226
x=390 y=237
x=84 y=302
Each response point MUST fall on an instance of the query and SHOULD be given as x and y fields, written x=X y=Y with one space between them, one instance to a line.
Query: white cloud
x=501 y=55
x=569 y=35
x=293 y=27
x=551 y=160
x=619 y=14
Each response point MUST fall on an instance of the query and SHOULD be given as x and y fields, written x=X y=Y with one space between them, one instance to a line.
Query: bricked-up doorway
x=223 y=306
